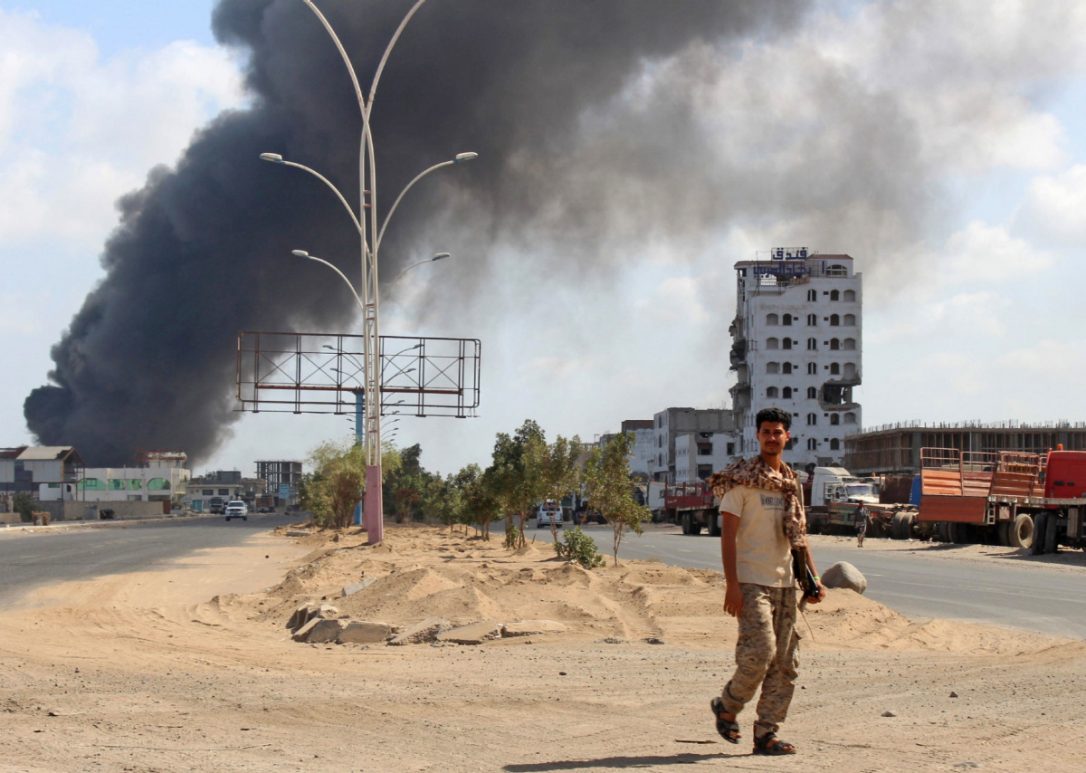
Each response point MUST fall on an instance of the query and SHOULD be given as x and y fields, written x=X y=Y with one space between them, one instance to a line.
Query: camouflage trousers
x=766 y=654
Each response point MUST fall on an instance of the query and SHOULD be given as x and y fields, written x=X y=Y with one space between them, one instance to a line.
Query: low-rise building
x=672 y=423
x=26 y=468
x=699 y=454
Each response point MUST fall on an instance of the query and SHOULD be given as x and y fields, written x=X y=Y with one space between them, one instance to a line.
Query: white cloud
x=1055 y=206
x=78 y=131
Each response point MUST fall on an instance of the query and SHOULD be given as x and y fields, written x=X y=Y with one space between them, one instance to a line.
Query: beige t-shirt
x=763 y=555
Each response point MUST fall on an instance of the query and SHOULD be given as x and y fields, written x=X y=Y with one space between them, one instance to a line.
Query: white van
x=549 y=514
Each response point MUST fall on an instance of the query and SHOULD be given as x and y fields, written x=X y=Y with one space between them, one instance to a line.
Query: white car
x=549 y=514
x=237 y=509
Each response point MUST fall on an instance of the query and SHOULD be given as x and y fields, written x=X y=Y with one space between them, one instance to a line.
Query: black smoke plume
x=203 y=250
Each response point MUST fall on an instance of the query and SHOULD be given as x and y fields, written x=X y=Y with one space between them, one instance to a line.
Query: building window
x=812 y=368
x=850 y=418
x=850 y=370
x=786 y=343
x=786 y=393
x=812 y=444
x=835 y=320
x=771 y=392
x=835 y=419
x=812 y=345
x=849 y=345
x=786 y=368
x=786 y=319
x=772 y=367
x=772 y=343
x=850 y=320
x=850 y=296
x=812 y=319
x=771 y=319
x=835 y=369
x=835 y=295
x=812 y=393
x=835 y=444
x=836 y=270
x=812 y=296
x=835 y=344
x=812 y=420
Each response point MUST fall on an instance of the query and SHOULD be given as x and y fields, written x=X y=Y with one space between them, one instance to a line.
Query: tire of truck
x=1022 y=531
x=1003 y=533
x=713 y=519
x=687 y=522
x=1052 y=533
x=955 y=533
x=1040 y=533
x=900 y=525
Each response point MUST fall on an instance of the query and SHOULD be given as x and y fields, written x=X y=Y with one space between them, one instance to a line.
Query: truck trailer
x=1015 y=498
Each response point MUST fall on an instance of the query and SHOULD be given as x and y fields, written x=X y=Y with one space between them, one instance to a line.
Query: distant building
x=26 y=468
x=281 y=479
x=162 y=478
x=699 y=454
x=796 y=344
x=671 y=423
x=895 y=448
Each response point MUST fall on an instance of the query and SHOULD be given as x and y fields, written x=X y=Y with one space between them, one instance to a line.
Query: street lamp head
x=463 y=158
x=441 y=256
x=275 y=158
x=299 y=253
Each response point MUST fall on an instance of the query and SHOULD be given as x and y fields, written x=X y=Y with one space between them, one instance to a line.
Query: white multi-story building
x=699 y=454
x=796 y=345
x=672 y=423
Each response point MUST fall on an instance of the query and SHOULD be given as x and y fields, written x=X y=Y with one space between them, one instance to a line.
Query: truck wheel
x=1052 y=534
x=713 y=519
x=687 y=524
x=899 y=526
x=1022 y=531
x=1003 y=533
x=955 y=533
x=1040 y=534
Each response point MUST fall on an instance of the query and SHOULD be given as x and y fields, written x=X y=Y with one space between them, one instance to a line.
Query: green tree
x=405 y=486
x=336 y=485
x=482 y=505
x=25 y=505
x=610 y=488
x=518 y=477
x=561 y=470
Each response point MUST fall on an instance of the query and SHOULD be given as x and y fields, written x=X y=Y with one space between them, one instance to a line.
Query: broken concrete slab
x=365 y=632
x=532 y=627
x=323 y=631
x=355 y=587
x=425 y=631
x=475 y=633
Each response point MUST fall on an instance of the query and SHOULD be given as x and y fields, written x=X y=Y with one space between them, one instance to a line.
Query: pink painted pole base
x=374 y=511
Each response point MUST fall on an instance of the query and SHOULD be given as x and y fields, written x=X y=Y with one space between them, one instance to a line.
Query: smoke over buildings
x=203 y=250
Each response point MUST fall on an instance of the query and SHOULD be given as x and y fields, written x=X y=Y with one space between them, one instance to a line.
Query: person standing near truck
x=762 y=508
x=861 y=519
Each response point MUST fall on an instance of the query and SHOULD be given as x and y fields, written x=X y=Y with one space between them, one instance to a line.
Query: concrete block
x=323 y=631
x=475 y=633
x=532 y=627
x=355 y=587
x=365 y=632
x=425 y=631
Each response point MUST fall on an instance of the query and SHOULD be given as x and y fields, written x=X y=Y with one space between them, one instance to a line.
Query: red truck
x=1014 y=498
x=692 y=506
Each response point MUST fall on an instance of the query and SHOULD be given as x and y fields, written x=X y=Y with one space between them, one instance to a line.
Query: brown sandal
x=770 y=745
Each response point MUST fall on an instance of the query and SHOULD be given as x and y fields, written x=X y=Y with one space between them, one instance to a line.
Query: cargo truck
x=1015 y=498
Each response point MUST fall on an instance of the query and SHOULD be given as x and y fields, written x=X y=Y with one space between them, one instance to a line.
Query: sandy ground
x=192 y=668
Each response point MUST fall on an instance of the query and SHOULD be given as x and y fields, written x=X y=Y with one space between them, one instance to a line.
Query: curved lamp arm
x=275 y=158
x=461 y=158
x=346 y=281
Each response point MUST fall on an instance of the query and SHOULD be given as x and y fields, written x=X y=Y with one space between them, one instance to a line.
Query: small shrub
x=576 y=546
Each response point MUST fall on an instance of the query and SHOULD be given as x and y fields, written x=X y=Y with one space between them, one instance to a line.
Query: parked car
x=216 y=506
x=237 y=509
x=549 y=514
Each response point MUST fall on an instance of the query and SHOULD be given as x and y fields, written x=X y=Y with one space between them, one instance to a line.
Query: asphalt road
x=1035 y=598
x=28 y=560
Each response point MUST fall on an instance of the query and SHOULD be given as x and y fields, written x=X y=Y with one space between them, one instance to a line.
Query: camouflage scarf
x=755 y=473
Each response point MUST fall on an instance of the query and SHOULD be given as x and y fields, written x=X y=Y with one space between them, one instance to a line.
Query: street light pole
x=369 y=243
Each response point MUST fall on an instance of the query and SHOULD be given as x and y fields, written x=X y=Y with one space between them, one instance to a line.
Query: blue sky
x=979 y=315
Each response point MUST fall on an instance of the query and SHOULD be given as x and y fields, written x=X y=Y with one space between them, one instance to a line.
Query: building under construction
x=895 y=448
x=282 y=479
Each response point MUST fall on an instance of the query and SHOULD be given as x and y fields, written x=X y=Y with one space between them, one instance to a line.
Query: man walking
x=861 y=521
x=762 y=507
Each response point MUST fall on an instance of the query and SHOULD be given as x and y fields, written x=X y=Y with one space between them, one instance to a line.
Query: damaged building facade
x=797 y=344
